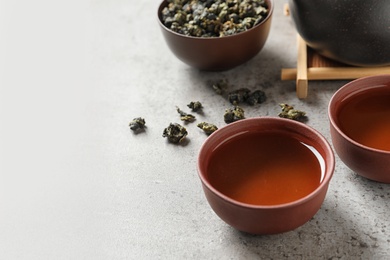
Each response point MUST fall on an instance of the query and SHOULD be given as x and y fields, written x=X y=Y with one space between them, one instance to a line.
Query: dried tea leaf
x=137 y=124
x=291 y=113
x=256 y=97
x=213 y=18
x=232 y=115
x=175 y=133
x=207 y=127
x=195 y=106
x=245 y=95
x=217 y=89
x=184 y=116
x=238 y=96
x=219 y=86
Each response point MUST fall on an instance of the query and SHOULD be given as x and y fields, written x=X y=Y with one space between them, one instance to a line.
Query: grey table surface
x=76 y=183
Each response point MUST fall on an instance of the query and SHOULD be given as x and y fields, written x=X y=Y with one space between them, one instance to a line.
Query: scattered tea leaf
x=217 y=89
x=137 y=124
x=291 y=113
x=207 y=127
x=184 y=116
x=175 y=133
x=245 y=95
x=256 y=97
x=238 y=96
x=232 y=115
x=219 y=86
x=195 y=106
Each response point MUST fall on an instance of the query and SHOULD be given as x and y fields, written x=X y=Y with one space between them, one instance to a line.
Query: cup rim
x=329 y=162
x=269 y=15
x=351 y=86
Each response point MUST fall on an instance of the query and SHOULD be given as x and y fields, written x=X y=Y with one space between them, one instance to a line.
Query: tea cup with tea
x=265 y=175
x=359 y=114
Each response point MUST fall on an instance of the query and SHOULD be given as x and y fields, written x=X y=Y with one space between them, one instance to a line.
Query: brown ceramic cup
x=266 y=219
x=217 y=53
x=371 y=163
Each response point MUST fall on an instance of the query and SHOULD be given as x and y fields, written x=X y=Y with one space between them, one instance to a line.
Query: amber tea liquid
x=265 y=168
x=365 y=118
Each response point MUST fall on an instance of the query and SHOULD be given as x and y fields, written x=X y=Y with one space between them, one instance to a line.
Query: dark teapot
x=354 y=32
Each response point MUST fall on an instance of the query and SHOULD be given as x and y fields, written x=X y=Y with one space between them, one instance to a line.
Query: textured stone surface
x=82 y=185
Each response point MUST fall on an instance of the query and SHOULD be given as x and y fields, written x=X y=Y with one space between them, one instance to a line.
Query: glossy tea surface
x=365 y=118
x=265 y=168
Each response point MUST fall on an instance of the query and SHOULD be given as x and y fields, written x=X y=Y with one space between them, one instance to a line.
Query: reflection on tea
x=365 y=118
x=265 y=168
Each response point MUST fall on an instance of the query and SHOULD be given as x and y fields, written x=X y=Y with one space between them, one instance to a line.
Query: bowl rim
x=269 y=15
x=329 y=162
x=383 y=79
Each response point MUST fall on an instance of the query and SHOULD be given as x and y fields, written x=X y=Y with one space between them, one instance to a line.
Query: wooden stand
x=313 y=66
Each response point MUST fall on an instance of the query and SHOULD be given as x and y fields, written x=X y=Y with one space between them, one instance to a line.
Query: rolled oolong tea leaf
x=232 y=115
x=175 y=133
x=195 y=106
x=207 y=127
x=219 y=86
x=245 y=95
x=213 y=18
x=238 y=96
x=184 y=116
x=137 y=124
x=217 y=89
x=291 y=113
x=256 y=97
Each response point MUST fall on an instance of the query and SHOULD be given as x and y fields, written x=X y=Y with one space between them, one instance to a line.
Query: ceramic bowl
x=366 y=161
x=272 y=218
x=355 y=32
x=217 y=53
